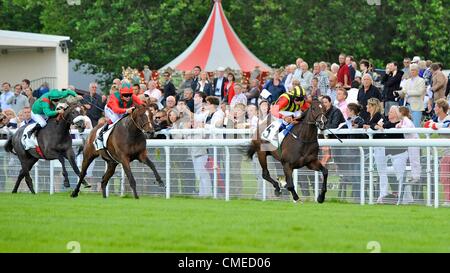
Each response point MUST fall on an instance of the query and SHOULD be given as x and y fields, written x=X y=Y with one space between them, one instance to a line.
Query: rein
x=141 y=128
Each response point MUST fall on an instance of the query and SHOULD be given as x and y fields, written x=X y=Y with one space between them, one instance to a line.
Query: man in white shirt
x=153 y=92
x=290 y=76
x=298 y=72
x=306 y=77
x=5 y=96
x=215 y=116
x=219 y=83
x=239 y=97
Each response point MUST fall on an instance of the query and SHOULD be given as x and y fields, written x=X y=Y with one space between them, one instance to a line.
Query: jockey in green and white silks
x=45 y=107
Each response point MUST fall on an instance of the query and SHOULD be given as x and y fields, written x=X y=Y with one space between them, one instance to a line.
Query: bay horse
x=126 y=143
x=299 y=148
x=54 y=141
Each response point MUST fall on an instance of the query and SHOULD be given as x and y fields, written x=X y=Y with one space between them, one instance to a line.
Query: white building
x=37 y=57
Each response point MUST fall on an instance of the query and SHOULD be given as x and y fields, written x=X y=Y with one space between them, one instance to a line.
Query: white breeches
x=41 y=119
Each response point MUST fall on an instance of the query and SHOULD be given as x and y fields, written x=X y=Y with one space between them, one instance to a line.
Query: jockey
x=45 y=107
x=294 y=102
x=120 y=103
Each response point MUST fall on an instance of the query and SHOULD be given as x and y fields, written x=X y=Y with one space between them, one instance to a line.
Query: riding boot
x=36 y=129
x=102 y=131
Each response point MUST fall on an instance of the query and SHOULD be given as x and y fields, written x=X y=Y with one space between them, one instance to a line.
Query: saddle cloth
x=99 y=145
x=29 y=142
x=273 y=135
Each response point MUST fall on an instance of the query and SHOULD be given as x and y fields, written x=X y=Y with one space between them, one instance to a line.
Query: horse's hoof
x=277 y=192
x=14 y=192
x=161 y=184
x=74 y=195
x=66 y=184
x=321 y=198
x=87 y=185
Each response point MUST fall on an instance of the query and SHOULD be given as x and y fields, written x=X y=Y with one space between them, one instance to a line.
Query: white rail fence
x=173 y=160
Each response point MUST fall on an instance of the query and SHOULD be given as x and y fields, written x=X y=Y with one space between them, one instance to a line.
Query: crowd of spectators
x=409 y=96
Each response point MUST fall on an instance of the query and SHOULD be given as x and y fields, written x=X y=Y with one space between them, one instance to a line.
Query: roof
x=27 y=39
x=217 y=45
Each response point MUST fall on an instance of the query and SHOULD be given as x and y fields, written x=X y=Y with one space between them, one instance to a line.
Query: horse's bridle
x=320 y=117
x=141 y=128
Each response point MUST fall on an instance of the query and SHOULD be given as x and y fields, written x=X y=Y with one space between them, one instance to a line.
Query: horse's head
x=316 y=114
x=142 y=118
x=74 y=115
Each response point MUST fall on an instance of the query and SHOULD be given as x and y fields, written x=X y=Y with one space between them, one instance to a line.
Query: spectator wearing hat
x=415 y=60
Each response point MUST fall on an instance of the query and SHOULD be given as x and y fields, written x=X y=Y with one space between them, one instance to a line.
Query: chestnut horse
x=299 y=148
x=127 y=142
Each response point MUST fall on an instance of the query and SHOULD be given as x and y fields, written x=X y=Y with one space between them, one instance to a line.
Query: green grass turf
x=44 y=223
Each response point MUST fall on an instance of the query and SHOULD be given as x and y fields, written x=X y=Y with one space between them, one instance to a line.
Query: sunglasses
x=158 y=117
x=126 y=95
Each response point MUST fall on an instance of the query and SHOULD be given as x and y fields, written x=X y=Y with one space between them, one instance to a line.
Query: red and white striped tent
x=217 y=45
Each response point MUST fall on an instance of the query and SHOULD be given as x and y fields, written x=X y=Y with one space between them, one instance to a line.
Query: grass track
x=44 y=223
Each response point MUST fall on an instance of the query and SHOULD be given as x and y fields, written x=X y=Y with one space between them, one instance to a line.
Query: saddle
x=29 y=143
x=98 y=144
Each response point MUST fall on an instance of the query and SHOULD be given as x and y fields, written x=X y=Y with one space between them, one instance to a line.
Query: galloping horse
x=54 y=141
x=126 y=143
x=299 y=148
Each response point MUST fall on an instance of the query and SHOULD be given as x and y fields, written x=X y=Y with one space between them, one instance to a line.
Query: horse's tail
x=253 y=145
x=9 y=146
x=251 y=150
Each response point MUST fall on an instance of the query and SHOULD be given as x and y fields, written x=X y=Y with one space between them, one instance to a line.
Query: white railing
x=360 y=143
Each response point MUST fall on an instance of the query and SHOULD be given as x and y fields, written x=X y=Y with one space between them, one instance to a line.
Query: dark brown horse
x=126 y=143
x=299 y=148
